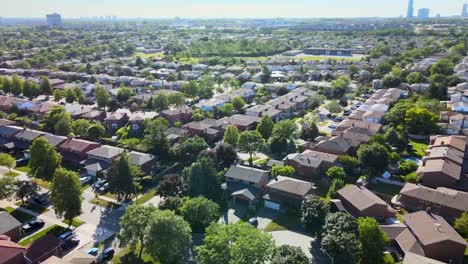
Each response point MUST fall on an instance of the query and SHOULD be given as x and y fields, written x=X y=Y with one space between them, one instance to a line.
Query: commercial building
x=54 y=20
x=424 y=13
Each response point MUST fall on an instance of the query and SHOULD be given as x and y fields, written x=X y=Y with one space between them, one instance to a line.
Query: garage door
x=272 y=205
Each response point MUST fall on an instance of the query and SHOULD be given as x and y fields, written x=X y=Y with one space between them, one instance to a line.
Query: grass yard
x=75 y=223
x=43 y=184
x=419 y=147
x=148 y=55
x=384 y=188
x=284 y=221
x=19 y=215
x=146 y=197
x=104 y=203
x=388 y=258
x=12 y=174
x=128 y=256
x=54 y=230
x=33 y=207
x=24 y=169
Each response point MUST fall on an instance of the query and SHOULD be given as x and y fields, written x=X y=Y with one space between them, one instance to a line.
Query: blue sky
x=224 y=8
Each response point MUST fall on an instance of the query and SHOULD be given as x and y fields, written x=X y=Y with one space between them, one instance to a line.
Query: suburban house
x=101 y=158
x=427 y=234
x=336 y=145
x=286 y=192
x=442 y=201
x=10 y=227
x=310 y=163
x=209 y=129
x=443 y=163
x=42 y=249
x=54 y=140
x=143 y=160
x=74 y=150
x=361 y=202
x=10 y=252
x=411 y=258
x=25 y=137
x=7 y=139
x=74 y=257
x=348 y=123
x=245 y=183
x=115 y=120
x=242 y=122
x=182 y=114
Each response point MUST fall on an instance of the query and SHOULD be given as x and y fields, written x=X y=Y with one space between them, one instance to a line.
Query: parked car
x=253 y=221
x=99 y=184
x=41 y=199
x=70 y=243
x=93 y=251
x=85 y=180
x=66 y=235
x=333 y=126
x=107 y=254
x=33 y=225
x=104 y=188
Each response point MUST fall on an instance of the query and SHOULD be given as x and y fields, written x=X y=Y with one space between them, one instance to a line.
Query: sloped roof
x=409 y=243
x=28 y=134
x=247 y=174
x=77 y=145
x=446 y=197
x=360 y=197
x=9 y=250
x=431 y=228
x=107 y=152
x=411 y=258
x=54 y=140
x=290 y=185
x=8 y=222
x=139 y=158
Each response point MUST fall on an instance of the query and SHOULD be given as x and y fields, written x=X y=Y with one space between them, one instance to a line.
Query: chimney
x=424 y=162
x=428 y=210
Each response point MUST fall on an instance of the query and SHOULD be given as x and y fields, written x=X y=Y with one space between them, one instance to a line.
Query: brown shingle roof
x=107 y=152
x=290 y=185
x=360 y=197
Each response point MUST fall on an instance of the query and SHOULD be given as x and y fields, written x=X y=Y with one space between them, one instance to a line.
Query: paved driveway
x=233 y=214
x=265 y=216
x=287 y=237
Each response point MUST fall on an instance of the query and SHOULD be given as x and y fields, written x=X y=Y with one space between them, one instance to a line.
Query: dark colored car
x=41 y=199
x=107 y=254
x=33 y=225
x=70 y=243
x=66 y=235
x=253 y=221
x=99 y=184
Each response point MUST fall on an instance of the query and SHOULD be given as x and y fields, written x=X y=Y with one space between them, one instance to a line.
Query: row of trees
x=30 y=89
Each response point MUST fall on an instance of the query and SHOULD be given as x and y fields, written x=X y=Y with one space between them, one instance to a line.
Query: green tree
x=336 y=172
x=316 y=101
x=286 y=129
x=415 y=77
x=63 y=127
x=250 y=142
x=44 y=159
x=236 y=243
x=65 y=194
x=30 y=89
x=395 y=139
x=190 y=89
x=124 y=94
x=6 y=187
x=58 y=95
x=442 y=66
x=171 y=185
x=169 y=237
x=349 y=163
x=374 y=157
x=45 y=86
x=176 y=98
x=80 y=126
x=16 y=85
x=421 y=121
x=6 y=85
x=313 y=213
x=199 y=212
x=278 y=170
x=156 y=136
x=70 y=96
x=226 y=110
x=310 y=131
x=25 y=190
x=191 y=148
x=335 y=186
x=231 y=135
x=202 y=180
x=340 y=238
x=121 y=178
x=373 y=240
x=160 y=102
x=287 y=254
x=8 y=161
x=265 y=127
x=102 y=96
x=95 y=131
x=134 y=226
x=57 y=114
x=238 y=103
x=461 y=224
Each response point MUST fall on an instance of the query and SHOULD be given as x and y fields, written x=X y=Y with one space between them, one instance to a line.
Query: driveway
x=265 y=216
x=233 y=215
x=287 y=237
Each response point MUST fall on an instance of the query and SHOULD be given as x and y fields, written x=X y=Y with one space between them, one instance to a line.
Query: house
x=101 y=158
x=242 y=122
x=74 y=257
x=411 y=258
x=182 y=114
x=286 y=192
x=209 y=129
x=429 y=235
x=211 y=104
x=115 y=120
x=10 y=252
x=445 y=202
x=310 y=163
x=335 y=145
x=143 y=160
x=348 y=123
x=10 y=227
x=361 y=202
x=54 y=140
x=74 y=150
x=25 y=137
x=94 y=115
x=245 y=183
x=42 y=249
x=7 y=134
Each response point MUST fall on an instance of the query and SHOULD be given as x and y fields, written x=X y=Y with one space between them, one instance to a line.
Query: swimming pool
x=413 y=159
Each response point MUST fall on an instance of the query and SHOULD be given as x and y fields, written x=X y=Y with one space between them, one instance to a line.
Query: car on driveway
x=33 y=225
x=104 y=188
x=70 y=243
x=333 y=126
x=106 y=255
x=98 y=184
x=85 y=180
x=253 y=221
x=66 y=235
x=41 y=199
x=93 y=251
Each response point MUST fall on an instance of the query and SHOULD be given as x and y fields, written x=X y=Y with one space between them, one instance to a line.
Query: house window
x=114 y=125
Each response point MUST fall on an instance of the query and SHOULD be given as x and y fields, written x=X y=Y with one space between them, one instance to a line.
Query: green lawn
x=284 y=221
x=419 y=147
x=388 y=259
x=33 y=207
x=149 y=55
x=384 y=188
x=43 y=184
x=146 y=197
x=104 y=203
x=128 y=256
x=54 y=230
x=75 y=223
x=19 y=215
x=12 y=174
x=24 y=169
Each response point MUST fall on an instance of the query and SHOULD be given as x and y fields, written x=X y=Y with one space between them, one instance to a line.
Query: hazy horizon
x=225 y=8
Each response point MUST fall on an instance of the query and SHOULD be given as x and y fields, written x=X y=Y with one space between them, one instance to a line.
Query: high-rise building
x=410 y=12
x=423 y=12
x=54 y=20
x=464 y=10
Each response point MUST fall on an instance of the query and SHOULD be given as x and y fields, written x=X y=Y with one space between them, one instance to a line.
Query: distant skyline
x=225 y=8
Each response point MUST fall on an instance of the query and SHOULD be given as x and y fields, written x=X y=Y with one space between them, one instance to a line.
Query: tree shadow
x=131 y=257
